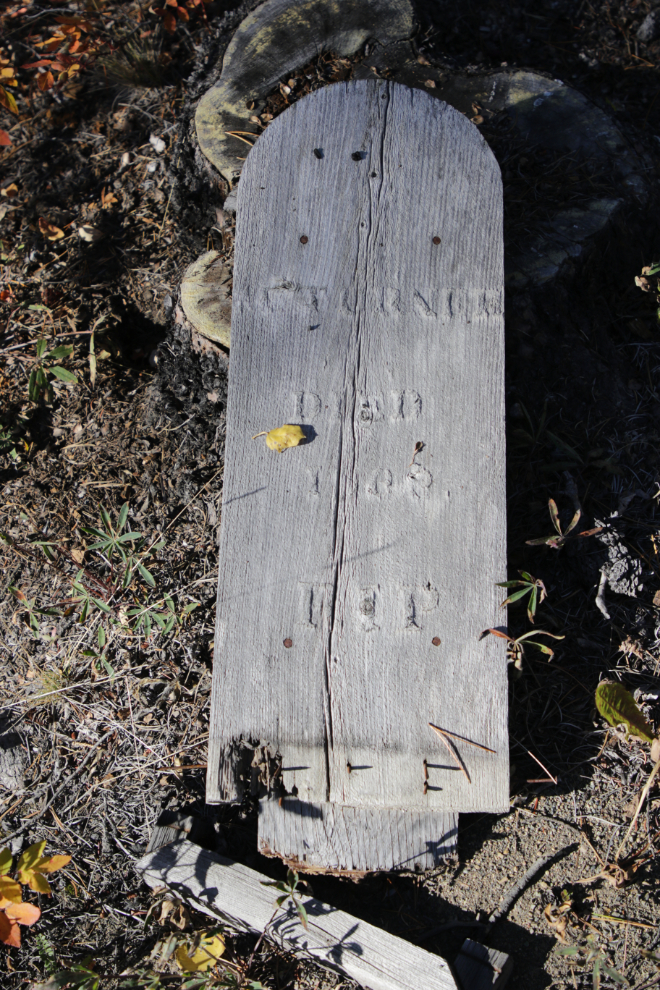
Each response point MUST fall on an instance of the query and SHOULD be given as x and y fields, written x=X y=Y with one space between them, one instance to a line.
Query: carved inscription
x=306 y=405
x=416 y=602
x=405 y=404
x=380 y=483
x=311 y=604
x=419 y=480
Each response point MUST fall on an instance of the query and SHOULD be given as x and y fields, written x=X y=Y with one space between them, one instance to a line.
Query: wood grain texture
x=274 y=40
x=350 y=320
x=331 y=838
x=229 y=890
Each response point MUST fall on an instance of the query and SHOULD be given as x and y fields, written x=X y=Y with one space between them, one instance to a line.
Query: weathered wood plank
x=336 y=839
x=223 y=888
x=356 y=575
x=480 y=968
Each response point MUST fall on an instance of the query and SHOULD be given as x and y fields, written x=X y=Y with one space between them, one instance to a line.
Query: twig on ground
x=61 y=788
x=513 y=893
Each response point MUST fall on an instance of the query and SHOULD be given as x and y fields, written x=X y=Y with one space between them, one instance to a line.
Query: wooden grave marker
x=357 y=570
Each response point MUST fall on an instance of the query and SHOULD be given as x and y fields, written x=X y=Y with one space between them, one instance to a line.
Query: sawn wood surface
x=230 y=891
x=357 y=571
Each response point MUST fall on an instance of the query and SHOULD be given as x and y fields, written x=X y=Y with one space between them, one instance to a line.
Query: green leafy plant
x=145 y=616
x=529 y=585
x=46 y=951
x=289 y=889
x=516 y=647
x=38 y=383
x=591 y=955
x=32 y=611
x=618 y=707
x=112 y=542
x=557 y=539
x=80 y=975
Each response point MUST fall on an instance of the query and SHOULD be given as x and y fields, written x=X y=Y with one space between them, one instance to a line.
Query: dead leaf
x=655 y=750
x=5 y=140
x=618 y=706
x=89 y=234
x=49 y=230
x=10 y=191
x=557 y=918
x=284 y=436
x=108 y=199
x=204 y=956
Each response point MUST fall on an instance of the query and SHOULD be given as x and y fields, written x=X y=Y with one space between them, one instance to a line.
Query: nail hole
x=318 y=153
x=436 y=240
x=304 y=239
x=436 y=641
x=374 y=175
x=357 y=156
x=288 y=643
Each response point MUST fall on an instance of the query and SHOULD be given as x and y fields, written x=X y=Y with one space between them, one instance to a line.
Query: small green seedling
x=289 y=889
x=112 y=541
x=31 y=610
x=592 y=955
x=516 y=647
x=557 y=539
x=529 y=585
x=38 y=382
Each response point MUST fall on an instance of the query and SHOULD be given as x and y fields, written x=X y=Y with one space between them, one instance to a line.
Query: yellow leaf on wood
x=283 y=437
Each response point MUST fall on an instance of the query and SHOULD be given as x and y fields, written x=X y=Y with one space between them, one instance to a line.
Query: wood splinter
x=452 y=749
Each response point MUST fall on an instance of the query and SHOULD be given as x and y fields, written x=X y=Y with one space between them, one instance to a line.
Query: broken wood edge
x=480 y=968
x=261 y=53
x=233 y=893
x=293 y=863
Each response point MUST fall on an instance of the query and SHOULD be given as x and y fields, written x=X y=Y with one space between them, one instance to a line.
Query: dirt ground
x=107 y=646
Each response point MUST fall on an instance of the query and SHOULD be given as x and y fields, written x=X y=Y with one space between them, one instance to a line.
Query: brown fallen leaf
x=49 y=230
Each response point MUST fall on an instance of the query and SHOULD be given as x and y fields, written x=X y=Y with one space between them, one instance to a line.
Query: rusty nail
x=426 y=786
x=318 y=153
x=436 y=240
x=304 y=239
x=436 y=641
x=426 y=770
x=349 y=767
x=288 y=642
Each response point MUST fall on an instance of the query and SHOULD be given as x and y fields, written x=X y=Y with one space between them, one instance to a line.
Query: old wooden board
x=228 y=890
x=320 y=838
x=357 y=571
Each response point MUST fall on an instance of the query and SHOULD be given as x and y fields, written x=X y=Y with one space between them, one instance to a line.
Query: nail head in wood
x=288 y=643
x=304 y=239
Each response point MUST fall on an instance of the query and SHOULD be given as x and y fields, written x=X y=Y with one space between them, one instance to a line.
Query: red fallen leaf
x=5 y=294
x=5 y=140
x=10 y=933
x=37 y=65
x=23 y=913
